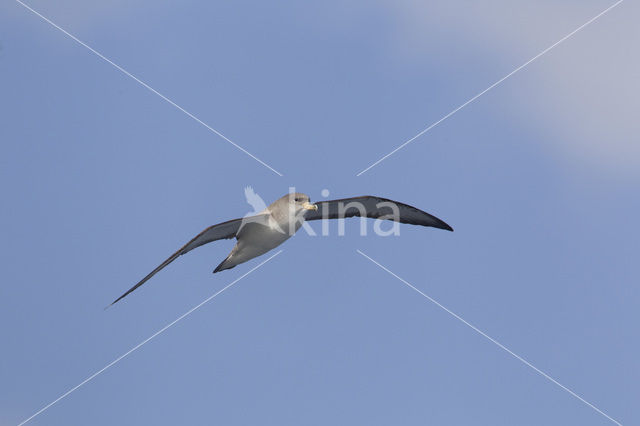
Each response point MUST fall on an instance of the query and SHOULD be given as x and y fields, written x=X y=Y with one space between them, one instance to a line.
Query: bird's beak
x=309 y=206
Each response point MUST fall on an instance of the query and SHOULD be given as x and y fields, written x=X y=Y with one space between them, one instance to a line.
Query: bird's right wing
x=375 y=208
x=224 y=230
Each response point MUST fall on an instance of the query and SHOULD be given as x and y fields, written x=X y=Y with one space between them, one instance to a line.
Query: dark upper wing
x=216 y=232
x=376 y=208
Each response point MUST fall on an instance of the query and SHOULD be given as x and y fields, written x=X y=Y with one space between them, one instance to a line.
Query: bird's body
x=257 y=238
x=271 y=227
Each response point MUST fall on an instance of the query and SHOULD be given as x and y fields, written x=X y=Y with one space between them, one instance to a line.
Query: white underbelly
x=256 y=240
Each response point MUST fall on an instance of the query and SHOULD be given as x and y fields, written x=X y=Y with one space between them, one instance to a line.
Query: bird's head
x=288 y=211
x=301 y=202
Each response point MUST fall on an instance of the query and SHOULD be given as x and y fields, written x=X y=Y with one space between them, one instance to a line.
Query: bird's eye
x=297 y=200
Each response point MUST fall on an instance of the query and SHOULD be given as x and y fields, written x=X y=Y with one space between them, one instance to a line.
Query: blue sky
x=101 y=180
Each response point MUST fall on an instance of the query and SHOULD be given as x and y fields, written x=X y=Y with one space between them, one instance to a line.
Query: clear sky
x=101 y=179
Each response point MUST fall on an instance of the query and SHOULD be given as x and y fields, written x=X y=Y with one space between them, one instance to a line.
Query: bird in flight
x=264 y=231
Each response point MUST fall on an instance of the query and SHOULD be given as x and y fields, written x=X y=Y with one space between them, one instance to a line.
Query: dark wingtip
x=440 y=224
x=447 y=227
x=122 y=297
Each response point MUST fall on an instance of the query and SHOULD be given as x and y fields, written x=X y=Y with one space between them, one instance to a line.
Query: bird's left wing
x=375 y=208
x=224 y=230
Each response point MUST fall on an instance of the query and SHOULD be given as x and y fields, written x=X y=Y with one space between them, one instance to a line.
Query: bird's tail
x=225 y=264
